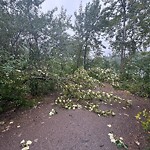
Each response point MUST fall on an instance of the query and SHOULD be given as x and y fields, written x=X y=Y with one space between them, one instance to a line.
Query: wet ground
x=74 y=129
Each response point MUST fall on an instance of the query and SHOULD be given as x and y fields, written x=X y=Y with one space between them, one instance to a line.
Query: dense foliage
x=38 y=55
x=137 y=72
x=79 y=90
x=105 y=75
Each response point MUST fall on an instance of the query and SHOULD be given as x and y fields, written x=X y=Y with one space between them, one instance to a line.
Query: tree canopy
x=37 y=51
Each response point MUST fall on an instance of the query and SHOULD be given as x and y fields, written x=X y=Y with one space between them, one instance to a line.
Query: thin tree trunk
x=85 y=57
x=123 y=3
x=85 y=54
x=79 y=54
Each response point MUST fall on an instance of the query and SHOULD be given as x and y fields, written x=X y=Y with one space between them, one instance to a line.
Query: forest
x=43 y=53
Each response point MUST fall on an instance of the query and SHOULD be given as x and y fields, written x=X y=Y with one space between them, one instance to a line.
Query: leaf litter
x=117 y=141
x=25 y=144
x=52 y=112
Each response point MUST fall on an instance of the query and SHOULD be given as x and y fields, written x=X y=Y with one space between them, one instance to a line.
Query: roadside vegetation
x=39 y=56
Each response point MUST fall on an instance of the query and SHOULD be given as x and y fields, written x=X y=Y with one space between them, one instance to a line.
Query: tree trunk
x=85 y=57
x=85 y=54
x=79 y=54
x=123 y=3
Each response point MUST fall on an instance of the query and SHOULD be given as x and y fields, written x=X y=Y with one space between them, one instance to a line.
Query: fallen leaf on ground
x=36 y=140
x=2 y=122
x=118 y=141
x=109 y=125
x=29 y=142
x=11 y=122
x=126 y=115
x=7 y=128
x=113 y=114
x=52 y=112
x=22 y=142
x=35 y=107
x=25 y=144
x=111 y=136
x=121 y=138
x=25 y=148
x=137 y=143
x=79 y=106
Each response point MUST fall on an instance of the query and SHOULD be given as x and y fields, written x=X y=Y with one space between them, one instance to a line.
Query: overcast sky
x=71 y=6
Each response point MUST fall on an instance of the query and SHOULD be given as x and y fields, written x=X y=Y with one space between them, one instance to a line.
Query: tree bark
x=123 y=3
x=85 y=54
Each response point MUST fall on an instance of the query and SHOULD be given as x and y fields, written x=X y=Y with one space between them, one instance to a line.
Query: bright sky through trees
x=71 y=6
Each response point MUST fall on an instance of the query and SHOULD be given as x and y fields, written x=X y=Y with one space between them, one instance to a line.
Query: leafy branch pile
x=25 y=144
x=117 y=141
x=144 y=118
x=77 y=90
x=105 y=75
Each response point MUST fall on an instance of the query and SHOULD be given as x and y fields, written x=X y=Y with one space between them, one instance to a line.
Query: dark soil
x=74 y=129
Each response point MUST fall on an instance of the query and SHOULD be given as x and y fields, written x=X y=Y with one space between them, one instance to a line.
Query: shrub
x=12 y=87
x=137 y=74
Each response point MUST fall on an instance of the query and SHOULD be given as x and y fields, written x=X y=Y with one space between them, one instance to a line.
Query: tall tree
x=126 y=26
x=20 y=25
x=87 y=32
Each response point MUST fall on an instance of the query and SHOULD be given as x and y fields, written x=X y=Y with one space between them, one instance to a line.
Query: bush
x=142 y=89
x=137 y=75
x=12 y=87
x=42 y=82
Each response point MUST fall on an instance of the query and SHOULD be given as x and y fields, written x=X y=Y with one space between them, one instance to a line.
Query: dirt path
x=74 y=129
